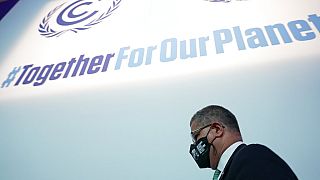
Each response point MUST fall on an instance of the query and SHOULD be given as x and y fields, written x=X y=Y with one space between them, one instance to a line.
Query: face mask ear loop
x=213 y=138
x=212 y=141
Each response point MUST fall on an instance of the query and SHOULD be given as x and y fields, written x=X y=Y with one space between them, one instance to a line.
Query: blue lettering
x=106 y=62
x=31 y=75
x=164 y=50
x=139 y=52
x=149 y=54
x=273 y=37
x=258 y=39
x=25 y=69
x=96 y=61
x=239 y=38
x=121 y=56
x=315 y=20
x=203 y=45
x=44 y=73
x=221 y=37
x=84 y=66
x=192 y=50
x=70 y=64
x=299 y=26
x=56 y=73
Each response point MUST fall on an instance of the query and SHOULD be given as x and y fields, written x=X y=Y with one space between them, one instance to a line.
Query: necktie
x=216 y=174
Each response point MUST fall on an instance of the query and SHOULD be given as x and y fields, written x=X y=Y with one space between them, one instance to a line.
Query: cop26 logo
x=76 y=16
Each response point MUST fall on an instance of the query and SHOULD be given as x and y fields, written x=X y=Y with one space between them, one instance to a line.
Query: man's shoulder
x=254 y=152
x=254 y=161
x=256 y=148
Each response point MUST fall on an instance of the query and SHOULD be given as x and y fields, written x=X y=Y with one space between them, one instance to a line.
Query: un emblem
x=76 y=16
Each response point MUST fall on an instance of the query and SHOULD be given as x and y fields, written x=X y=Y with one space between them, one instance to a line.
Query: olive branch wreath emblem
x=47 y=31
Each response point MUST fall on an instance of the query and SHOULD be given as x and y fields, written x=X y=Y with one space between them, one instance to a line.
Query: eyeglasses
x=195 y=133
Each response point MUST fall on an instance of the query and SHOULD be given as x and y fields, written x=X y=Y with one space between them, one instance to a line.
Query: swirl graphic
x=72 y=15
x=74 y=18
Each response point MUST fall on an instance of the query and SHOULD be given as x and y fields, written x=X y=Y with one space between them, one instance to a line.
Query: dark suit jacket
x=256 y=162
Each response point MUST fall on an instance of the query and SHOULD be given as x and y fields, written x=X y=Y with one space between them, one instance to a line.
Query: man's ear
x=218 y=129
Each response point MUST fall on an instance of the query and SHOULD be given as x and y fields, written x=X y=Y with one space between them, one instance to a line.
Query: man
x=217 y=144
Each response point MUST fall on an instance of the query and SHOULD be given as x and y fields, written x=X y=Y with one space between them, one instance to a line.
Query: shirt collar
x=226 y=155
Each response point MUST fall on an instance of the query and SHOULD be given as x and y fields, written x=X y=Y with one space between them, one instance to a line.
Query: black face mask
x=200 y=152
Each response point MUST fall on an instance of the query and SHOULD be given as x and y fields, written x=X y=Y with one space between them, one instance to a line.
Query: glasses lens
x=195 y=133
x=193 y=137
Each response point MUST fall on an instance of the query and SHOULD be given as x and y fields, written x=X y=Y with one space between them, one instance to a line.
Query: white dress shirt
x=226 y=156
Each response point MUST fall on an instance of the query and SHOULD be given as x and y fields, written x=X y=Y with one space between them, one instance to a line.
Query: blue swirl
x=72 y=15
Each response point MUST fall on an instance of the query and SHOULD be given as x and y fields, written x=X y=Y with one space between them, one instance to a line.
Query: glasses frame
x=196 y=132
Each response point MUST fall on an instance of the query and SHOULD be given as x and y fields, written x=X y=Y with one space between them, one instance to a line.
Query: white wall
x=134 y=122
